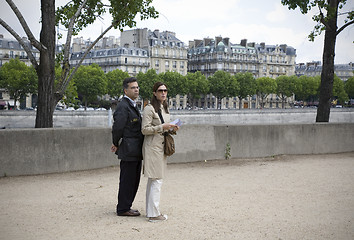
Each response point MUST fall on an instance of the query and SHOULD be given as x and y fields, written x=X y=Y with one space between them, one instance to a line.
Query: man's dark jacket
x=127 y=126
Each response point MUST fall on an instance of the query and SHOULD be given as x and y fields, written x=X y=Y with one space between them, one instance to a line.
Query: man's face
x=132 y=91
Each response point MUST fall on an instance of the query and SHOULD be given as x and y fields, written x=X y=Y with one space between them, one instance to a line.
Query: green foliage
x=197 y=84
x=227 y=151
x=176 y=83
x=70 y=97
x=18 y=79
x=349 y=87
x=218 y=83
x=222 y=84
x=338 y=90
x=307 y=87
x=285 y=85
x=247 y=83
x=115 y=82
x=265 y=86
x=146 y=82
x=122 y=11
x=90 y=82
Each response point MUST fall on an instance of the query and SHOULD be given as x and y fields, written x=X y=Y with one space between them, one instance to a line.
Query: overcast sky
x=255 y=20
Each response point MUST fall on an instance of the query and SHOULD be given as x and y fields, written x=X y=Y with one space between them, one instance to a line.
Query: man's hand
x=114 y=148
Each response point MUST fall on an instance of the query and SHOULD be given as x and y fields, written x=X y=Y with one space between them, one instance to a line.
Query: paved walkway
x=287 y=197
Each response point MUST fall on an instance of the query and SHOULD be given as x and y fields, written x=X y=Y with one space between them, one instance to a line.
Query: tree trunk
x=46 y=72
x=240 y=103
x=327 y=74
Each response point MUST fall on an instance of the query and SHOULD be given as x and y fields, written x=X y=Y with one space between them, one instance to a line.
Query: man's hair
x=127 y=81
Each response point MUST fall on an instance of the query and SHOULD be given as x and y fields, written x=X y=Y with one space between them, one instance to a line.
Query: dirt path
x=289 y=197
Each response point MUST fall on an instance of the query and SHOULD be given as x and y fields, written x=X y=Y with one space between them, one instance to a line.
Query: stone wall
x=40 y=151
x=77 y=119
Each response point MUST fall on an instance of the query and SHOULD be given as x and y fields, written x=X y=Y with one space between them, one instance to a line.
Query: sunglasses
x=162 y=90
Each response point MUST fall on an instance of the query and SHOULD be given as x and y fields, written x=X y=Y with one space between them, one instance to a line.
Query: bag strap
x=160 y=115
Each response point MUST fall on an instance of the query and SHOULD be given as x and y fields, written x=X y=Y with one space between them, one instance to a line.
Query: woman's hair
x=155 y=102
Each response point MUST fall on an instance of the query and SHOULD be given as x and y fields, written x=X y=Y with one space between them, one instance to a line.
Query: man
x=127 y=129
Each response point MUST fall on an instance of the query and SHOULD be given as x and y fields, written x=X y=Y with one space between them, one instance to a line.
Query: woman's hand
x=168 y=126
x=175 y=128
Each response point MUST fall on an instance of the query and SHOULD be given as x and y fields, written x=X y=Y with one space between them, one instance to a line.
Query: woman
x=155 y=161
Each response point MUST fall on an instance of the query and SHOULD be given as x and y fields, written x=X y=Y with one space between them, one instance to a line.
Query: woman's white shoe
x=160 y=218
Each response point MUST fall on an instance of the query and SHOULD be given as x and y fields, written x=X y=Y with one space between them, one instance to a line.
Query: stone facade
x=343 y=71
x=166 y=51
x=11 y=49
x=210 y=55
x=131 y=60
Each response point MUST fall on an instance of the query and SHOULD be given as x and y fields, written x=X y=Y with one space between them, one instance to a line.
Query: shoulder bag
x=169 y=147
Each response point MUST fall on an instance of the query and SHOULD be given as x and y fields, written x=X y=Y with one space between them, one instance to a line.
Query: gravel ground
x=285 y=197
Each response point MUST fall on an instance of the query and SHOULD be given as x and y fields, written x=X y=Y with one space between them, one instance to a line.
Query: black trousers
x=129 y=180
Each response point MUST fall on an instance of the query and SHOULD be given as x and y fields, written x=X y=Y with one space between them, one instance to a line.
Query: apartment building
x=10 y=49
x=131 y=60
x=210 y=55
x=314 y=68
x=166 y=51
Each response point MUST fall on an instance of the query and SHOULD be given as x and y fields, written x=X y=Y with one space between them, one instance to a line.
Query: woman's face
x=161 y=93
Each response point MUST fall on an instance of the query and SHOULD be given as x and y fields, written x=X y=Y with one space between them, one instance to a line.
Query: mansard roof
x=101 y=53
x=166 y=36
x=13 y=44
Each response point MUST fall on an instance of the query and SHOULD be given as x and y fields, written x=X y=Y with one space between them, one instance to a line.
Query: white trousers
x=153 y=193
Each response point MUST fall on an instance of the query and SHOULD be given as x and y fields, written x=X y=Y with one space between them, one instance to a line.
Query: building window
x=166 y=64
x=174 y=64
x=157 y=63
x=125 y=60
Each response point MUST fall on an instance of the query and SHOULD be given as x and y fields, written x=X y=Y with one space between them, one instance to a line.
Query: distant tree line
x=90 y=84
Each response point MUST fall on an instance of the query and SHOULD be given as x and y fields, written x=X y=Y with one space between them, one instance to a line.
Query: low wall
x=39 y=151
x=77 y=119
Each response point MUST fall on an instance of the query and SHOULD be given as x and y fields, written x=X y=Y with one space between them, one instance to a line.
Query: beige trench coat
x=155 y=161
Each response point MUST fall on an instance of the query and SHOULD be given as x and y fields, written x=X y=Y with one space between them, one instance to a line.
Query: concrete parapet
x=39 y=151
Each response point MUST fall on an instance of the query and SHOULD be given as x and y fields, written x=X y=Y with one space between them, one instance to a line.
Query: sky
x=255 y=20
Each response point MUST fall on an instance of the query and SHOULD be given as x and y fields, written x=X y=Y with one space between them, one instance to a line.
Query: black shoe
x=130 y=213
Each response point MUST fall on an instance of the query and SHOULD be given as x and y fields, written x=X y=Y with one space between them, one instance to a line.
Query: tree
x=349 y=87
x=285 y=87
x=198 y=85
x=146 y=82
x=265 y=86
x=115 y=82
x=90 y=82
x=326 y=21
x=74 y=15
x=19 y=79
x=221 y=85
x=338 y=90
x=307 y=88
x=70 y=97
x=248 y=86
x=176 y=83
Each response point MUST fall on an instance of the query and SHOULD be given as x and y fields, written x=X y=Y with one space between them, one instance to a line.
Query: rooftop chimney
x=244 y=42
